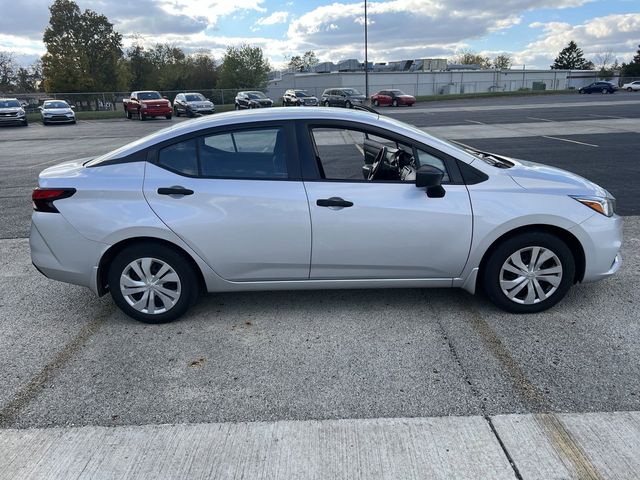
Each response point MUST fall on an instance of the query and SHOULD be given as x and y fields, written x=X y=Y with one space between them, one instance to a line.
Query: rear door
x=235 y=197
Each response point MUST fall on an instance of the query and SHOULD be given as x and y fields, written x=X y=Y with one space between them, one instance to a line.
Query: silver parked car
x=12 y=112
x=57 y=111
x=316 y=198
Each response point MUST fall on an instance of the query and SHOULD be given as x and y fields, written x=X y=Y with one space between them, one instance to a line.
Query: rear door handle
x=174 y=191
x=333 y=202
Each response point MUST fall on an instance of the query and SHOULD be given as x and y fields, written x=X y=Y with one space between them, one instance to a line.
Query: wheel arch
x=116 y=248
x=566 y=236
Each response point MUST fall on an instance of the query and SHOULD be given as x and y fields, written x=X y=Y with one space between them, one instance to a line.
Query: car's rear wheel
x=326 y=103
x=348 y=104
x=604 y=90
x=376 y=103
x=128 y=113
x=168 y=117
x=529 y=272
x=152 y=283
x=629 y=89
x=176 y=112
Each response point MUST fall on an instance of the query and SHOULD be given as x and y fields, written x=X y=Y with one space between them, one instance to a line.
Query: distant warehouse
x=426 y=76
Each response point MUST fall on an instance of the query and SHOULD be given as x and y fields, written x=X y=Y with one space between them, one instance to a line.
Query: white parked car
x=57 y=111
x=632 y=86
x=316 y=198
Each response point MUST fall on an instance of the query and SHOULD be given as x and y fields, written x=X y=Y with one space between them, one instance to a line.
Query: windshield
x=9 y=103
x=56 y=104
x=256 y=95
x=149 y=96
x=196 y=97
x=351 y=91
x=302 y=94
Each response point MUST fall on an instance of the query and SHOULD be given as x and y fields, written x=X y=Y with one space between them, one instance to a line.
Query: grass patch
x=521 y=93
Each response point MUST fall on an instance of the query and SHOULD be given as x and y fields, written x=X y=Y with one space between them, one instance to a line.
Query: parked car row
x=347 y=98
x=12 y=112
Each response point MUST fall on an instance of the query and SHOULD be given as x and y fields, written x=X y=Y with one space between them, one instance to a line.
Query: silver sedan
x=313 y=199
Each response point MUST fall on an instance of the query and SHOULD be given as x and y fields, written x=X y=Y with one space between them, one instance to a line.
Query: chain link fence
x=112 y=101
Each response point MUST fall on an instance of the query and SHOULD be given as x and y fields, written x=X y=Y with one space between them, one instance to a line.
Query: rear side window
x=180 y=157
x=255 y=153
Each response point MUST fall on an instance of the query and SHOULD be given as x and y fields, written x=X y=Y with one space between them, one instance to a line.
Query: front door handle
x=174 y=191
x=333 y=202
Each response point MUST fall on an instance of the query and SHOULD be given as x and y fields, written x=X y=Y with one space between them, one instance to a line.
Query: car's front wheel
x=395 y=102
x=529 y=272
x=152 y=283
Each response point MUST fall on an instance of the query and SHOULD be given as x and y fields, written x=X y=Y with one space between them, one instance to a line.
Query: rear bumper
x=59 y=252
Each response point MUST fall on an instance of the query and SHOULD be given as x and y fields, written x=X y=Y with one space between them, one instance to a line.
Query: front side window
x=350 y=155
x=255 y=153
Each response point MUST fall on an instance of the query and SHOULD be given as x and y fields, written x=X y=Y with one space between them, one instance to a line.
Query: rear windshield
x=9 y=103
x=149 y=96
x=196 y=97
x=58 y=104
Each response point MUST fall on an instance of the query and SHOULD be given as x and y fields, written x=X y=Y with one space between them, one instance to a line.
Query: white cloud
x=274 y=18
x=618 y=33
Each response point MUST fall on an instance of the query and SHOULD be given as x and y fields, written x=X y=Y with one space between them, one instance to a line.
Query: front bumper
x=601 y=239
x=59 y=119
x=12 y=120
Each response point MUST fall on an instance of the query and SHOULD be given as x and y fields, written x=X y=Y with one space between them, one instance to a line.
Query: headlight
x=21 y=112
x=143 y=105
x=604 y=205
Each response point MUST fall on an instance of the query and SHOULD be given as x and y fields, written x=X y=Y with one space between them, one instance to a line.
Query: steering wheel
x=375 y=167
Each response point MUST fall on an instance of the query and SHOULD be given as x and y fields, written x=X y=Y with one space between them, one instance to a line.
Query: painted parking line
x=476 y=122
x=541 y=119
x=570 y=141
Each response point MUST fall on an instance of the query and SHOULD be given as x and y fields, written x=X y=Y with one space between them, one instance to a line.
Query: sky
x=531 y=31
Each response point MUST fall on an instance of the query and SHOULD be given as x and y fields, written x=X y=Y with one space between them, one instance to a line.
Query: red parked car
x=392 y=97
x=147 y=103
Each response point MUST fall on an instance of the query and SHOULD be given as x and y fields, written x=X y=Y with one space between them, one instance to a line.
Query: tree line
x=86 y=54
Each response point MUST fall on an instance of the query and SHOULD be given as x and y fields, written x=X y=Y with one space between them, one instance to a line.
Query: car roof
x=235 y=118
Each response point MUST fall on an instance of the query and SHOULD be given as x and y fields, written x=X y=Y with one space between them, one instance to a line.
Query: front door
x=381 y=229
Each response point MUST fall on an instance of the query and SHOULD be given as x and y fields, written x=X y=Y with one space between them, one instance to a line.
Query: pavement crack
x=26 y=394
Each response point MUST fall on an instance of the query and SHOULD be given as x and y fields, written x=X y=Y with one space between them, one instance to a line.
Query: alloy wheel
x=150 y=285
x=530 y=275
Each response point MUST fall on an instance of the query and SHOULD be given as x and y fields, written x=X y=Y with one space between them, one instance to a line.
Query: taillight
x=43 y=198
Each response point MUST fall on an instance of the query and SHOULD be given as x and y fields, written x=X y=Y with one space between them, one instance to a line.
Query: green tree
x=304 y=62
x=632 y=69
x=502 y=61
x=244 y=67
x=571 y=58
x=7 y=72
x=83 y=50
x=469 y=57
x=138 y=68
x=202 y=71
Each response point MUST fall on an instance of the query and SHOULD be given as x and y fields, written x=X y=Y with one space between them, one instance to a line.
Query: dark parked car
x=342 y=97
x=599 y=87
x=392 y=97
x=298 y=98
x=192 y=104
x=252 y=100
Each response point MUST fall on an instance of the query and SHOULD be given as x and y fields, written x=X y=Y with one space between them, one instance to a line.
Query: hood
x=531 y=175
x=160 y=102
x=10 y=109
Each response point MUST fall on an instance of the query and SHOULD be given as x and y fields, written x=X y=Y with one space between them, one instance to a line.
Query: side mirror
x=430 y=177
x=39 y=108
x=166 y=98
x=73 y=107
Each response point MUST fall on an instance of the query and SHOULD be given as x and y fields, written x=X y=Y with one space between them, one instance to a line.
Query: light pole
x=366 y=54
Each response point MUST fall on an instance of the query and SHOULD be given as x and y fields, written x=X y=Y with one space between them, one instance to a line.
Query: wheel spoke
x=552 y=279
x=516 y=259
x=127 y=281
x=145 y=263
x=167 y=302
x=169 y=277
x=535 y=251
x=549 y=271
x=546 y=255
x=151 y=305
x=513 y=269
x=142 y=303
x=509 y=284
x=539 y=291
x=531 y=293
x=174 y=295
x=164 y=269
x=136 y=268
x=517 y=290
x=133 y=290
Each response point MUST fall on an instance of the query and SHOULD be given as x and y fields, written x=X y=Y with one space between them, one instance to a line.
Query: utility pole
x=366 y=54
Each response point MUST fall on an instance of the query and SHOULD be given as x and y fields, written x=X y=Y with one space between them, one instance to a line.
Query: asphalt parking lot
x=70 y=359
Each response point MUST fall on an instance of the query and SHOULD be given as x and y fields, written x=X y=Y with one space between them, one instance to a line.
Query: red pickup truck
x=146 y=104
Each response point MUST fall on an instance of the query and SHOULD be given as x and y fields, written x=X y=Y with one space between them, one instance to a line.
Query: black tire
x=141 y=115
x=236 y=107
x=176 y=112
x=581 y=92
x=168 y=117
x=629 y=89
x=395 y=102
x=348 y=104
x=25 y=123
x=326 y=103
x=376 y=103
x=189 y=286
x=604 y=90
x=490 y=277
x=128 y=113
x=44 y=122
x=73 y=123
